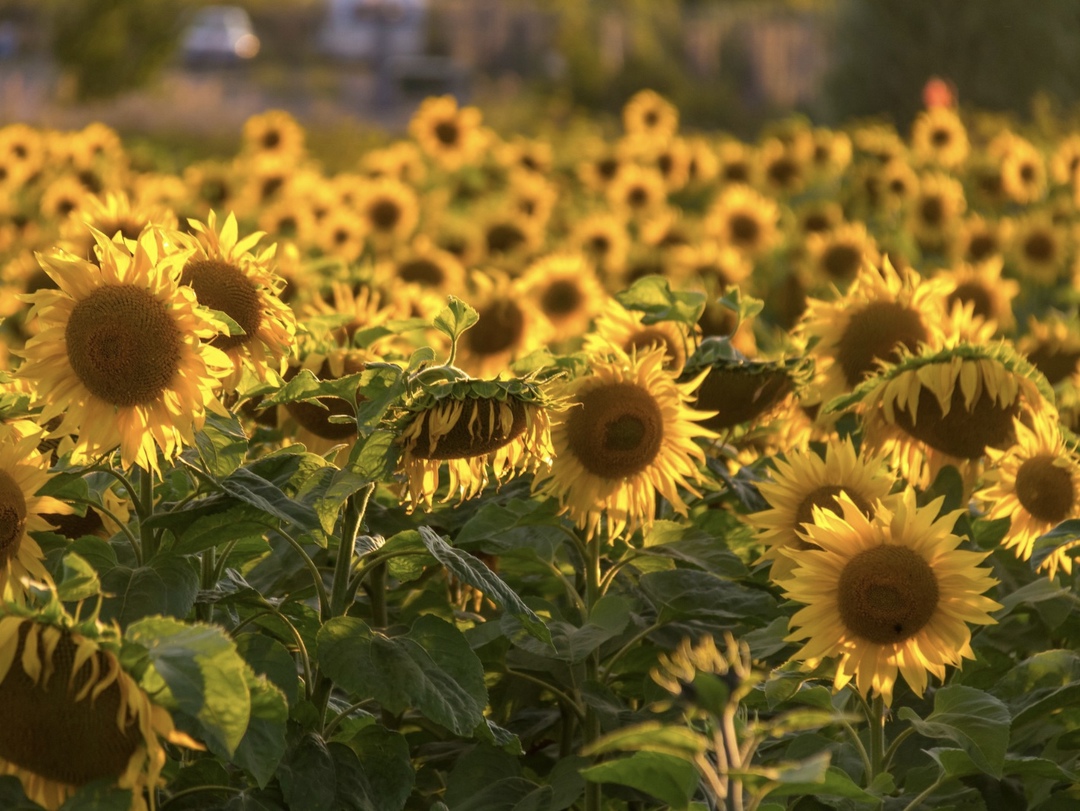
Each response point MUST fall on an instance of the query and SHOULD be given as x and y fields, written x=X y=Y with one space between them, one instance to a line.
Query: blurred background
x=188 y=73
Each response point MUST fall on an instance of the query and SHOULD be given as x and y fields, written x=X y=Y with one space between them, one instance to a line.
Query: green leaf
x=222 y=444
x=469 y=569
x=684 y=594
x=1036 y=591
x=670 y=779
x=975 y=720
x=326 y=490
x=263 y=744
x=100 y=795
x=374 y=457
x=237 y=523
x=168 y=585
x=78 y=580
x=450 y=651
x=528 y=523
x=455 y=318
x=401 y=675
x=957 y=763
x=268 y=657
x=826 y=781
x=12 y=796
x=380 y=386
x=653 y=296
x=195 y=669
x=386 y=774
x=609 y=616
x=307 y=775
x=253 y=489
x=651 y=736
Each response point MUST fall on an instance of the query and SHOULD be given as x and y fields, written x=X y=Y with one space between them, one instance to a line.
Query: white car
x=219 y=35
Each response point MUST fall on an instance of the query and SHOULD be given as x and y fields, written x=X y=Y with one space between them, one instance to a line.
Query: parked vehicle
x=374 y=30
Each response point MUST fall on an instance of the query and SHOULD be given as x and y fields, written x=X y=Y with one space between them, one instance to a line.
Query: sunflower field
x=603 y=469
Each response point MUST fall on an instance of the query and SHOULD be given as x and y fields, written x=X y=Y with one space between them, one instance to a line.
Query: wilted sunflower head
x=742 y=392
x=478 y=431
x=948 y=407
x=887 y=594
x=69 y=712
x=627 y=434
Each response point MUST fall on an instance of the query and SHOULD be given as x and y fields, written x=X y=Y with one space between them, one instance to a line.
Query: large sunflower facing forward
x=886 y=595
x=627 y=435
x=71 y=715
x=227 y=276
x=804 y=480
x=119 y=354
x=947 y=407
x=1035 y=483
x=23 y=472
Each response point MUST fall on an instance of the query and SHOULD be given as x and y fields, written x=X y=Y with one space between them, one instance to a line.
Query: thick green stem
x=875 y=716
x=351 y=521
x=205 y=611
x=316 y=575
x=147 y=540
x=377 y=593
x=591 y=729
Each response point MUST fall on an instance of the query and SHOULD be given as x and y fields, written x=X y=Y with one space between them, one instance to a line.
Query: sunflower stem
x=147 y=540
x=204 y=611
x=316 y=575
x=591 y=730
x=351 y=521
x=875 y=716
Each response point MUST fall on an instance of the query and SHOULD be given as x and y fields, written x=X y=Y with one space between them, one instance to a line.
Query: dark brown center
x=1045 y=490
x=961 y=433
x=876 y=333
x=616 y=431
x=887 y=594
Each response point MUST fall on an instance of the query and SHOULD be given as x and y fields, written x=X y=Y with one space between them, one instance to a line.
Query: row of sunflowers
x=590 y=470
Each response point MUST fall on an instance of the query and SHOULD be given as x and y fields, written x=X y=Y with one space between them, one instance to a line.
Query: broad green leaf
x=222 y=444
x=449 y=649
x=326 y=490
x=387 y=770
x=481 y=766
x=500 y=795
x=683 y=594
x=668 y=778
x=78 y=580
x=653 y=296
x=608 y=618
x=975 y=720
x=263 y=744
x=1036 y=591
x=268 y=657
x=651 y=736
x=374 y=457
x=168 y=585
x=957 y=763
x=259 y=492
x=380 y=386
x=455 y=318
x=12 y=796
x=195 y=669
x=238 y=522
x=824 y=781
x=517 y=523
x=468 y=569
x=307 y=775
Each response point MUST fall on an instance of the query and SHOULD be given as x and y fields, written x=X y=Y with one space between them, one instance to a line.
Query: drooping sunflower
x=883 y=313
x=626 y=435
x=803 y=480
x=478 y=431
x=938 y=136
x=886 y=595
x=1036 y=484
x=448 y=134
x=744 y=218
x=23 y=472
x=649 y=113
x=565 y=288
x=71 y=714
x=948 y=406
x=120 y=354
x=744 y=393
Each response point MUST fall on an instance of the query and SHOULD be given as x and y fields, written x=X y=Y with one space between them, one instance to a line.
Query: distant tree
x=998 y=54
x=109 y=46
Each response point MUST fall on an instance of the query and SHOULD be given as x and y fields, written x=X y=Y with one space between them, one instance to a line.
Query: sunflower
x=1064 y=163
x=626 y=331
x=62 y=198
x=703 y=165
x=783 y=166
x=510 y=239
x=71 y=714
x=400 y=160
x=1039 y=248
x=508 y=327
x=1023 y=172
x=935 y=211
x=888 y=594
x=637 y=191
x=274 y=133
x=23 y=472
x=450 y=135
x=390 y=211
x=883 y=313
x=22 y=150
x=119 y=355
x=1052 y=344
x=836 y=256
x=602 y=238
x=292 y=217
x=710 y=263
x=478 y=430
x=212 y=185
x=648 y=113
x=425 y=265
x=341 y=234
x=667 y=229
x=818 y=216
x=830 y=154
x=225 y=275
x=111 y=213
x=565 y=288
x=745 y=219
x=803 y=480
x=979 y=239
x=982 y=288
x=938 y=136
x=1036 y=484
x=310 y=423
x=740 y=392
x=738 y=164
x=532 y=196
x=948 y=406
x=898 y=183
x=626 y=436
x=531 y=155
